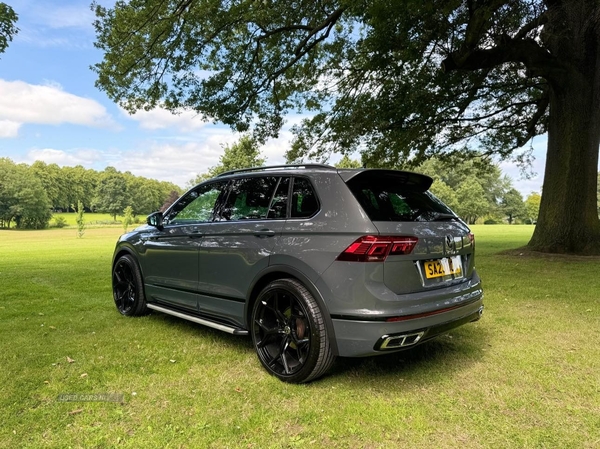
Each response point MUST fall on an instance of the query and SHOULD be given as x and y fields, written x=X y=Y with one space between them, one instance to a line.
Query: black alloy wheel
x=289 y=333
x=128 y=287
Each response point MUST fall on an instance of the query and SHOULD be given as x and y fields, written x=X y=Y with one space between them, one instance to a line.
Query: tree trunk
x=568 y=219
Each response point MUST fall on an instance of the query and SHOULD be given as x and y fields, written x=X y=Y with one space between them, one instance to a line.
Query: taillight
x=375 y=248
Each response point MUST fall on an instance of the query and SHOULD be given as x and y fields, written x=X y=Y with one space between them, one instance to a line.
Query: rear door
x=237 y=245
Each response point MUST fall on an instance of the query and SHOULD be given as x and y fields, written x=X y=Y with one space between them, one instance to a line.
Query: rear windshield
x=387 y=199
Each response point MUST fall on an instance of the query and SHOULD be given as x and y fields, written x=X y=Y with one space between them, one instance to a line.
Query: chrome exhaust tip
x=400 y=341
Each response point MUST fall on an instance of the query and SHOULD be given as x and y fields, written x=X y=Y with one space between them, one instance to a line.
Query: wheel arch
x=275 y=272
x=121 y=251
x=124 y=249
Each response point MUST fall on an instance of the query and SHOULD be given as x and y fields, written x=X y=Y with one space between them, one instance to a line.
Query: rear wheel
x=289 y=333
x=128 y=287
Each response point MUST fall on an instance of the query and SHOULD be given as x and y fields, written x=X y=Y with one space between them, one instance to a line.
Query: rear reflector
x=472 y=239
x=375 y=248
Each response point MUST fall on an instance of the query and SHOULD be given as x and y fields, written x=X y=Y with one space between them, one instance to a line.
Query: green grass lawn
x=526 y=375
x=92 y=220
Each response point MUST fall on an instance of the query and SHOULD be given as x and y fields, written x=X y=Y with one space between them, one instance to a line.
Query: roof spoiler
x=407 y=178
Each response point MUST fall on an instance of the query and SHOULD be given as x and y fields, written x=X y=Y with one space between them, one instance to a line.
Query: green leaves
x=23 y=200
x=8 y=19
x=231 y=61
x=369 y=71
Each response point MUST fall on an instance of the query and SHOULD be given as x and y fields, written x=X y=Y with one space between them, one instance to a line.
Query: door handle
x=195 y=234
x=264 y=233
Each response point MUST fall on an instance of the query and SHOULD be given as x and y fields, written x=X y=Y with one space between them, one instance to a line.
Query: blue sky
x=51 y=111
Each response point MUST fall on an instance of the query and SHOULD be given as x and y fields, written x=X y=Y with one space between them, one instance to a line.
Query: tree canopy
x=532 y=206
x=513 y=205
x=22 y=197
x=398 y=80
x=8 y=28
x=473 y=188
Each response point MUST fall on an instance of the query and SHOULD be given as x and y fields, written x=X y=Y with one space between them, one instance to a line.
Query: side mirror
x=155 y=219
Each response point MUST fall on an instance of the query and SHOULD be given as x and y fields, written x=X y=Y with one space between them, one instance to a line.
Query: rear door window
x=249 y=198
x=279 y=203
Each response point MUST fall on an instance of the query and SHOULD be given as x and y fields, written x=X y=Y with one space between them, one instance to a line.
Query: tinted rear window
x=304 y=200
x=387 y=199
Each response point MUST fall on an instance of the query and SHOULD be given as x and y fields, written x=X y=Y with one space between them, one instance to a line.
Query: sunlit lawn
x=526 y=375
x=91 y=219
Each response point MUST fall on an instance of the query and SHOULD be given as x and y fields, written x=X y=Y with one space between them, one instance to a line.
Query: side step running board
x=222 y=327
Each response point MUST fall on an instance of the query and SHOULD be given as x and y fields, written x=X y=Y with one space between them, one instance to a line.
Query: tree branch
x=532 y=25
x=327 y=23
x=526 y=51
x=542 y=105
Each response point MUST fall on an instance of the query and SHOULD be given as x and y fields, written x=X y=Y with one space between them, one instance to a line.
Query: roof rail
x=272 y=167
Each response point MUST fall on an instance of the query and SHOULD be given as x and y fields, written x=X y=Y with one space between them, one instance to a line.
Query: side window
x=249 y=198
x=197 y=206
x=304 y=200
x=278 y=208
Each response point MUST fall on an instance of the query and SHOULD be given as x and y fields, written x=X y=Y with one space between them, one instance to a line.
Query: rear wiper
x=434 y=216
x=442 y=217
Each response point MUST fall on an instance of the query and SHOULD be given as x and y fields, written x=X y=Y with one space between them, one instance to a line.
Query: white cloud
x=80 y=16
x=54 y=14
x=9 y=128
x=173 y=162
x=186 y=121
x=50 y=24
x=274 y=150
x=22 y=103
x=84 y=157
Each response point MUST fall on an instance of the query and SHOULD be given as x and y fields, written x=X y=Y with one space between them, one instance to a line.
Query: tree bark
x=568 y=218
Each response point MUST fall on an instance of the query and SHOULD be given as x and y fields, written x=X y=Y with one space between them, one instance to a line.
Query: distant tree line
x=30 y=193
x=476 y=189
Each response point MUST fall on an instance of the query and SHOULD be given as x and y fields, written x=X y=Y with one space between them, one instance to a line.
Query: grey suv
x=312 y=261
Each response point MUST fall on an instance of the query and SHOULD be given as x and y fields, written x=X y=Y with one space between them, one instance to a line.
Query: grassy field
x=526 y=375
x=92 y=220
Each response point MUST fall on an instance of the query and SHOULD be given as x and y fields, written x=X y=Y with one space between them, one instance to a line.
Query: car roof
x=278 y=168
x=406 y=177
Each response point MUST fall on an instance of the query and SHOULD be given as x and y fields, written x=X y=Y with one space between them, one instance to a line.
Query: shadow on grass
x=196 y=330
x=440 y=357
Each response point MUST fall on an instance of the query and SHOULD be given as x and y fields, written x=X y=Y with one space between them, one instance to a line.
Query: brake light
x=375 y=248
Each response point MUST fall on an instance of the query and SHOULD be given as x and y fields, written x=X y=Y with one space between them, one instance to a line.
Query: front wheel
x=289 y=332
x=128 y=287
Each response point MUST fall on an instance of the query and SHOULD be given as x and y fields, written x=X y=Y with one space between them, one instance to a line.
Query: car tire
x=289 y=332
x=128 y=287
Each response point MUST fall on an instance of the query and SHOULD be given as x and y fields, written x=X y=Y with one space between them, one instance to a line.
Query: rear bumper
x=357 y=338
